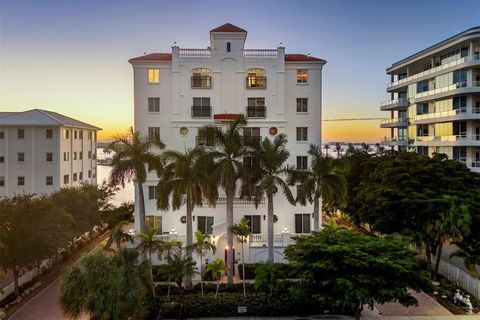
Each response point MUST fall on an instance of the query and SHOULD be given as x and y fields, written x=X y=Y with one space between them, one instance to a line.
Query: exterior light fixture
x=285 y=230
x=173 y=231
x=264 y=217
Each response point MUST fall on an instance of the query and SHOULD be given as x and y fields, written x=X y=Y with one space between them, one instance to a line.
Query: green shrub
x=160 y=272
x=287 y=270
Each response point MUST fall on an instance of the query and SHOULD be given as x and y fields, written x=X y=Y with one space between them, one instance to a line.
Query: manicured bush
x=287 y=270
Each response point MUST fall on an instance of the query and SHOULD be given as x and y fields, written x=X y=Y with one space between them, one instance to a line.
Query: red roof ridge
x=301 y=57
x=153 y=57
x=228 y=27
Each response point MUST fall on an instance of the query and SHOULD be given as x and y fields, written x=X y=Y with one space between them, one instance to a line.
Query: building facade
x=434 y=101
x=43 y=151
x=177 y=93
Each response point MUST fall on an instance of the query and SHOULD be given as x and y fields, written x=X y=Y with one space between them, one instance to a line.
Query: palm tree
x=201 y=245
x=325 y=179
x=118 y=236
x=338 y=150
x=149 y=244
x=266 y=178
x=379 y=149
x=217 y=268
x=228 y=169
x=326 y=147
x=242 y=231
x=366 y=148
x=186 y=182
x=132 y=153
x=168 y=249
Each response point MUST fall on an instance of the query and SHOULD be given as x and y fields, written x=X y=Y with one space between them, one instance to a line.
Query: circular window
x=183 y=131
x=273 y=131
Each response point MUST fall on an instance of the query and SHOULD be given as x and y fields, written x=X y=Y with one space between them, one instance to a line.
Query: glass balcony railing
x=399 y=101
x=442 y=114
x=455 y=86
x=394 y=121
x=450 y=64
x=451 y=138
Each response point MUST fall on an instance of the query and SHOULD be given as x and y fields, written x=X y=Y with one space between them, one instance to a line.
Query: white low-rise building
x=177 y=93
x=42 y=151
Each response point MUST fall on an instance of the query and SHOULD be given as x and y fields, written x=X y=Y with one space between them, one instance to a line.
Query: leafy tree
x=228 y=170
x=217 y=268
x=429 y=199
x=132 y=153
x=148 y=244
x=186 y=182
x=325 y=180
x=31 y=230
x=242 y=231
x=267 y=177
x=124 y=212
x=351 y=270
x=201 y=245
x=180 y=268
x=105 y=287
x=267 y=277
x=118 y=236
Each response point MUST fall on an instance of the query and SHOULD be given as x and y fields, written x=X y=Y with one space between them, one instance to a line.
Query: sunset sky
x=71 y=56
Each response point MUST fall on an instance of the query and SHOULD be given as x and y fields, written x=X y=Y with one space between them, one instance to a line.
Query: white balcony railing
x=194 y=53
x=260 y=53
x=450 y=138
x=434 y=70
x=451 y=87
x=394 y=121
x=400 y=101
x=442 y=114
x=279 y=239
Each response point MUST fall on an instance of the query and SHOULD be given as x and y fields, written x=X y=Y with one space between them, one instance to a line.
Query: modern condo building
x=178 y=92
x=434 y=101
x=42 y=151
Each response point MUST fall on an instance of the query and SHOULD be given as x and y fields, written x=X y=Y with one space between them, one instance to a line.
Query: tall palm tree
x=185 y=181
x=338 y=150
x=201 y=245
x=217 y=267
x=242 y=231
x=326 y=147
x=325 y=179
x=267 y=174
x=228 y=170
x=118 y=236
x=132 y=153
x=148 y=244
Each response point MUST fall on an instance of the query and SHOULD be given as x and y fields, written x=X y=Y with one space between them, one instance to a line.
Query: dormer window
x=229 y=47
x=256 y=78
x=201 y=78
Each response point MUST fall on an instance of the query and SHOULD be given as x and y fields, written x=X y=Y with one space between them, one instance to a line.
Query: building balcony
x=201 y=112
x=465 y=62
x=201 y=82
x=395 y=104
x=394 y=123
x=256 y=82
x=447 y=116
x=462 y=139
x=474 y=165
x=393 y=142
x=464 y=87
x=256 y=112
x=279 y=239
x=260 y=53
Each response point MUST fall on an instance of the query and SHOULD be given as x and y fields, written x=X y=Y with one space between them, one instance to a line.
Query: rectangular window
x=460 y=153
x=90 y=135
x=302 y=104
x=89 y=154
x=302 y=162
x=65 y=179
x=422 y=86
x=21 y=157
x=302 y=76
x=89 y=173
x=49 y=181
x=80 y=175
x=49 y=156
x=422 y=108
x=66 y=134
x=21 y=133
x=80 y=155
x=49 y=133
x=254 y=223
x=153 y=75
x=66 y=156
x=2 y=135
x=152 y=192
x=422 y=130
x=201 y=108
x=205 y=224
x=75 y=155
x=75 y=134
x=2 y=181
x=256 y=108
x=2 y=159
x=80 y=134
x=422 y=150
x=74 y=177
x=460 y=103
x=153 y=104
x=154 y=133
x=154 y=222
x=302 y=223
x=460 y=78
x=21 y=181
x=302 y=133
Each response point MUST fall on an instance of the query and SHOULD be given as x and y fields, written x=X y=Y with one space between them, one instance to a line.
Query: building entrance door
x=233 y=257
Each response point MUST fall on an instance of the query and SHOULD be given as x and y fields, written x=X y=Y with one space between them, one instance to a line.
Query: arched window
x=256 y=78
x=201 y=78
x=229 y=47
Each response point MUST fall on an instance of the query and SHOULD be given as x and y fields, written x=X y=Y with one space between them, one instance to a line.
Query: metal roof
x=39 y=117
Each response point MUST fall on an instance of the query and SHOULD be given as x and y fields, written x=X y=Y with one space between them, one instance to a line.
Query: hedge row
x=287 y=270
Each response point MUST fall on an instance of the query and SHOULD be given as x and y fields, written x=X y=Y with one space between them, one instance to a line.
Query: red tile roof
x=300 y=57
x=228 y=27
x=153 y=57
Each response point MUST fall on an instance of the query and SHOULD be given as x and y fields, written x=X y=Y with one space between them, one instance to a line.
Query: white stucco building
x=177 y=93
x=434 y=100
x=42 y=151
